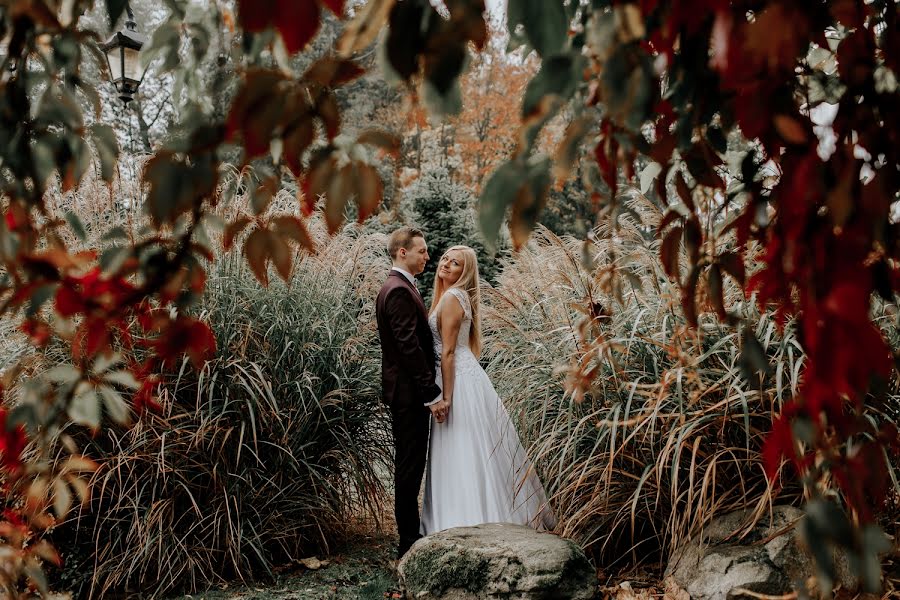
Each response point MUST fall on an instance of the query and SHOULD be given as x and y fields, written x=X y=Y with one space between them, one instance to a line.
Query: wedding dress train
x=477 y=469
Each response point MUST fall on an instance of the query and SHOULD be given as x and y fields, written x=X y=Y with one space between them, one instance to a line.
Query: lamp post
x=4 y=55
x=123 y=57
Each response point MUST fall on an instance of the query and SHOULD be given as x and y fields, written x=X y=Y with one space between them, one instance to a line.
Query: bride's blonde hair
x=469 y=283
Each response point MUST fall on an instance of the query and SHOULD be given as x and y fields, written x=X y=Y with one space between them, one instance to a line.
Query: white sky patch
x=822 y=117
x=497 y=8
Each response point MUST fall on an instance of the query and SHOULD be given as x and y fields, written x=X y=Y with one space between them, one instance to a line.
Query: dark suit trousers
x=410 y=421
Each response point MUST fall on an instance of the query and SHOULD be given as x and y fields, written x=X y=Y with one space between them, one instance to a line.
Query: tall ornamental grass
x=669 y=434
x=269 y=453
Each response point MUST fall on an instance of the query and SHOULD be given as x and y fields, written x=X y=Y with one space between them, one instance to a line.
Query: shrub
x=444 y=210
x=569 y=211
x=670 y=433
x=262 y=456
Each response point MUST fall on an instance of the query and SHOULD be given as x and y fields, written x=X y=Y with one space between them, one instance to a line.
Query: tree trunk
x=144 y=129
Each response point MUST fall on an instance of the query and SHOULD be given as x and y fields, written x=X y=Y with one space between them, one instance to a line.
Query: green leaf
x=104 y=362
x=43 y=155
x=649 y=175
x=115 y=233
x=38 y=298
x=115 y=405
x=92 y=95
x=556 y=77
x=75 y=223
x=628 y=81
x=165 y=37
x=85 y=409
x=498 y=194
x=62 y=497
x=65 y=52
x=63 y=374
x=716 y=138
x=82 y=162
x=545 y=23
x=813 y=535
x=113 y=258
x=24 y=414
x=530 y=200
x=753 y=361
x=107 y=149
x=59 y=106
x=123 y=378
x=569 y=148
x=35 y=573
x=115 y=8
x=443 y=104
x=874 y=543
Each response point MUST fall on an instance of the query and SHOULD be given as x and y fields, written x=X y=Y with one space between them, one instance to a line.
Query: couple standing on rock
x=431 y=380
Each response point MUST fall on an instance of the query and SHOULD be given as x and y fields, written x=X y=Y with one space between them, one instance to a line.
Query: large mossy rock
x=769 y=560
x=496 y=560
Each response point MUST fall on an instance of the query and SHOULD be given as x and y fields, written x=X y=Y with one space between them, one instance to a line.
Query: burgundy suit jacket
x=407 y=346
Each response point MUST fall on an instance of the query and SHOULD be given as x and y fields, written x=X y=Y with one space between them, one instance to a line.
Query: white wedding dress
x=477 y=469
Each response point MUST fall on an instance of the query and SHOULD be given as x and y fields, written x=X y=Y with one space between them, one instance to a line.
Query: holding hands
x=440 y=410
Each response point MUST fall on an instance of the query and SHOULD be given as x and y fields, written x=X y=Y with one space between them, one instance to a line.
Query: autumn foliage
x=675 y=81
x=668 y=80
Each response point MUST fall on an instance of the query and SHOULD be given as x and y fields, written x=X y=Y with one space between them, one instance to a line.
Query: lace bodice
x=465 y=359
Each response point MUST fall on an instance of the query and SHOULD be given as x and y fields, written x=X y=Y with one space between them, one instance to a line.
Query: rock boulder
x=769 y=560
x=496 y=560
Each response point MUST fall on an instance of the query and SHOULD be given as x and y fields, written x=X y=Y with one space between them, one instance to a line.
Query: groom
x=407 y=375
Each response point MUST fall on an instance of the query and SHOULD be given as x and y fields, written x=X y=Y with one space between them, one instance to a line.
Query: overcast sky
x=496 y=8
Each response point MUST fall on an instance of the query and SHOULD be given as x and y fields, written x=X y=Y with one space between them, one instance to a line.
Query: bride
x=477 y=469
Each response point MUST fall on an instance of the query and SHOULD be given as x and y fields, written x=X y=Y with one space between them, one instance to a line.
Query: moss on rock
x=438 y=570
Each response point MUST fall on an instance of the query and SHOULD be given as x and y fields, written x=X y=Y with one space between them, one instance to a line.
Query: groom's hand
x=440 y=410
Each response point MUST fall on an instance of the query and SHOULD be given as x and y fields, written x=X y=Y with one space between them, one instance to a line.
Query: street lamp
x=123 y=57
x=4 y=55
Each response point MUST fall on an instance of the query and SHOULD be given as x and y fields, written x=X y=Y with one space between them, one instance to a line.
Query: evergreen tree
x=445 y=211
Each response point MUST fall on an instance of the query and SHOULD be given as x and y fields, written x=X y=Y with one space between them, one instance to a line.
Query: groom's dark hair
x=402 y=238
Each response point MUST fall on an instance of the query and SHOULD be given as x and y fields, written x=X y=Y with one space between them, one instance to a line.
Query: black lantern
x=123 y=56
x=4 y=55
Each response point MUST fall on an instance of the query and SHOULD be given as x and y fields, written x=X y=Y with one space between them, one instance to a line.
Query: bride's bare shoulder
x=462 y=302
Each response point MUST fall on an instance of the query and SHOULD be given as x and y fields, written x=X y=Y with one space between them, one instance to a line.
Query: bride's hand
x=440 y=410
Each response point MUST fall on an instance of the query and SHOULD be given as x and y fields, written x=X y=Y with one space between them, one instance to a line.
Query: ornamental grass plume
x=668 y=433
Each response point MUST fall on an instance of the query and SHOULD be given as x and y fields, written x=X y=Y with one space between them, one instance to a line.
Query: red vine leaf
x=281 y=255
x=293 y=227
x=296 y=20
x=340 y=189
x=669 y=252
x=256 y=249
x=791 y=129
x=733 y=264
x=233 y=229
x=689 y=297
x=331 y=71
x=335 y=6
x=684 y=192
x=369 y=190
x=386 y=141
x=716 y=291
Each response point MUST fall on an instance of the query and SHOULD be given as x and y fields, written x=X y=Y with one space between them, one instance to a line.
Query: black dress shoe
x=404 y=546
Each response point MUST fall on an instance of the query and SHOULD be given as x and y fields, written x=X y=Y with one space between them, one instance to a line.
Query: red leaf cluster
x=296 y=20
x=99 y=299
x=12 y=443
x=185 y=335
x=270 y=105
x=822 y=218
